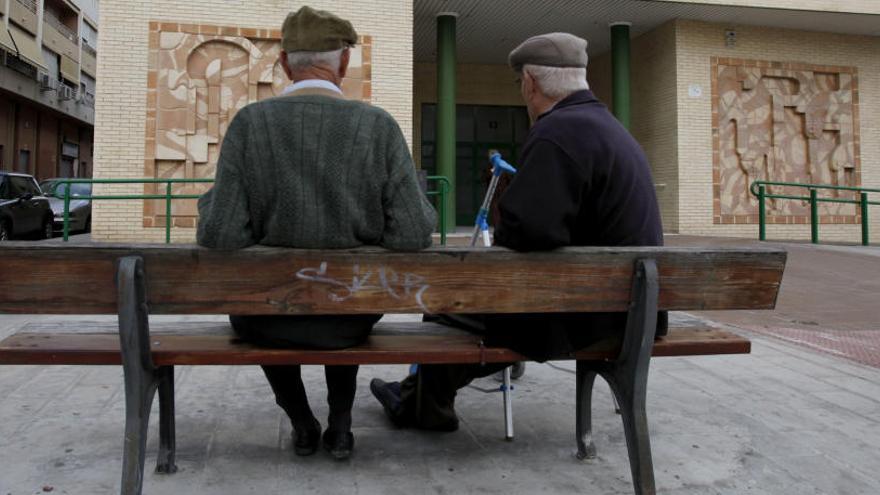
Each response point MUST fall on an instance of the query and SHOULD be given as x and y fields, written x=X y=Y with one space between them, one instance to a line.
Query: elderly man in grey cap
x=583 y=181
x=312 y=170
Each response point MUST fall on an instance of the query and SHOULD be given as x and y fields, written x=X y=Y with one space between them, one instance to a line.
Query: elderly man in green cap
x=310 y=169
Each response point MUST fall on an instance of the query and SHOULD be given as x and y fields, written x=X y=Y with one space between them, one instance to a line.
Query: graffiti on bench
x=396 y=285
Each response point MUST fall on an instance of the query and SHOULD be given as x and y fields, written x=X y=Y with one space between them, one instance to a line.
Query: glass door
x=479 y=130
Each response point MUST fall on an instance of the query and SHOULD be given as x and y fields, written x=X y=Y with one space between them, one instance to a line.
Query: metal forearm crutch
x=481 y=226
x=481 y=229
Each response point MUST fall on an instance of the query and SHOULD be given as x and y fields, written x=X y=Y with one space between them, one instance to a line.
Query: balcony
x=50 y=19
x=24 y=14
x=28 y=4
x=59 y=38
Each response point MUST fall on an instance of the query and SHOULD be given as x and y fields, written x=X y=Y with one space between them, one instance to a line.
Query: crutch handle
x=499 y=166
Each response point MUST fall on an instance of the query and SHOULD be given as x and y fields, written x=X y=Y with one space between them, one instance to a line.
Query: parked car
x=23 y=208
x=80 y=209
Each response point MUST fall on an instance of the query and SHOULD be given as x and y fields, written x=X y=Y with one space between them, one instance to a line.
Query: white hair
x=558 y=82
x=303 y=60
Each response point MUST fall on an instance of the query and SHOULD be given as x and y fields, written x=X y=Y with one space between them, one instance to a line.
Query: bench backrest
x=41 y=278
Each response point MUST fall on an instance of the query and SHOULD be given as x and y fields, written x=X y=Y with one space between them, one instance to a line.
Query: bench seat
x=214 y=343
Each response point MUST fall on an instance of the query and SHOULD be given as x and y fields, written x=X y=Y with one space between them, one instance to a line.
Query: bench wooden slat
x=181 y=279
x=217 y=346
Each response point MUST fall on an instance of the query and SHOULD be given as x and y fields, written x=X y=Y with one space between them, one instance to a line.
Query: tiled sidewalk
x=783 y=420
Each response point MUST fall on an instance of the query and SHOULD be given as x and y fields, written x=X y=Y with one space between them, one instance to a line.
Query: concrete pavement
x=828 y=300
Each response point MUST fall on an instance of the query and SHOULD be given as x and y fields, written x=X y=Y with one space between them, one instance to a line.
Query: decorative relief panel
x=786 y=123
x=199 y=78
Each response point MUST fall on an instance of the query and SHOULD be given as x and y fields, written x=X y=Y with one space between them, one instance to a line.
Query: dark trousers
x=428 y=396
x=314 y=332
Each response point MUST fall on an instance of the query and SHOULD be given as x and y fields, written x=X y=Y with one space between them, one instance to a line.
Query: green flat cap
x=550 y=50
x=310 y=30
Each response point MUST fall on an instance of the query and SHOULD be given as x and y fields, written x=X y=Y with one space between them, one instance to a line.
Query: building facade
x=48 y=71
x=719 y=94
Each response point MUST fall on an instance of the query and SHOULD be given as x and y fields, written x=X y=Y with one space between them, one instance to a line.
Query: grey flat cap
x=552 y=50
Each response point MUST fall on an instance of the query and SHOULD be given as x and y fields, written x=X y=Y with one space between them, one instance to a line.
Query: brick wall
x=121 y=102
x=654 y=111
x=653 y=107
x=696 y=44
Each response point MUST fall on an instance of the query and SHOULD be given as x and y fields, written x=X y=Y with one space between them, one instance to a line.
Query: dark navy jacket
x=583 y=180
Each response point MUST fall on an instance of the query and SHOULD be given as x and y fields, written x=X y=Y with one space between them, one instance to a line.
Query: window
x=53 y=64
x=5 y=192
x=65 y=168
x=24 y=161
x=478 y=129
x=17 y=187
x=33 y=187
x=59 y=189
x=25 y=185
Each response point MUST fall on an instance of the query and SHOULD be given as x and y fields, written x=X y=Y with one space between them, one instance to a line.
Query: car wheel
x=5 y=233
x=47 y=231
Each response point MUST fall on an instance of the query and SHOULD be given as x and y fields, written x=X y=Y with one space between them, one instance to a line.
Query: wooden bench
x=134 y=281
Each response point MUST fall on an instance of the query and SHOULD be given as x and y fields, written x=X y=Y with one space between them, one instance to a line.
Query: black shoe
x=388 y=394
x=305 y=440
x=338 y=443
x=517 y=370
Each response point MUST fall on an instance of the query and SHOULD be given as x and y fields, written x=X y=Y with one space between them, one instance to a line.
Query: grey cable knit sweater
x=311 y=170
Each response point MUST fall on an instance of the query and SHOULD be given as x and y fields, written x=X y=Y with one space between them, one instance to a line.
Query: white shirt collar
x=311 y=83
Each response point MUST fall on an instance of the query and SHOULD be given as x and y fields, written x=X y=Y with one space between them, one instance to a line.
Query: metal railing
x=442 y=191
x=168 y=196
x=54 y=21
x=759 y=190
x=29 y=4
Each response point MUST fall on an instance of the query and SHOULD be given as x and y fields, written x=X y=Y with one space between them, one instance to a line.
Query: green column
x=620 y=71
x=814 y=216
x=762 y=213
x=446 y=107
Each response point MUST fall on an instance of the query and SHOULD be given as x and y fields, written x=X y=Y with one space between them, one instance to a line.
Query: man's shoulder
x=592 y=112
x=583 y=126
x=344 y=106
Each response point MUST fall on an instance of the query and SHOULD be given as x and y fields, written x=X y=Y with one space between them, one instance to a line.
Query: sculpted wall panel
x=786 y=123
x=199 y=78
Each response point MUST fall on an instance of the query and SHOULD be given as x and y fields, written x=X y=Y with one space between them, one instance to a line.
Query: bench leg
x=165 y=461
x=628 y=376
x=141 y=377
x=635 y=428
x=583 y=403
x=139 y=395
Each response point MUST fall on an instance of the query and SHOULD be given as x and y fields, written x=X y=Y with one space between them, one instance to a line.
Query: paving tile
x=778 y=421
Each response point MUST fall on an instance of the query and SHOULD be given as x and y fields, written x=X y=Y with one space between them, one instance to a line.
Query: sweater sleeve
x=409 y=217
x=224 y=217
x=539 y=207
